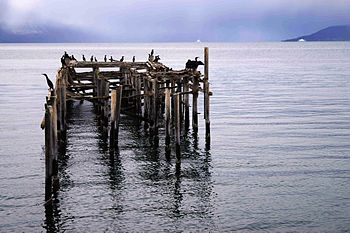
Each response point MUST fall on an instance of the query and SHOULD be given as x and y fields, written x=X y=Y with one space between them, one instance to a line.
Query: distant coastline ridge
x=333 y=33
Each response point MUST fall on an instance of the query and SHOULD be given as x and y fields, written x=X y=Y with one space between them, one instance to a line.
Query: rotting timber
x=149 y=91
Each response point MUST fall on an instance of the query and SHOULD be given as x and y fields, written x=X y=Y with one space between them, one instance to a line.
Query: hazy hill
x=334 y=33
x=45 y=34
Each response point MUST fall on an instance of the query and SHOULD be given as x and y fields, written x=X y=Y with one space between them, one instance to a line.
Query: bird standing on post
x=49 y=83
x=92 y=58
x=122 y=59
x=95 y=59
x=133 y=59
x=105 y=58
x=84 y=58
x=157 y=58
x=111 y=59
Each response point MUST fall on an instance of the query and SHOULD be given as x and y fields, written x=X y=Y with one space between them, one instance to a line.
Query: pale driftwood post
x=177 y=129
x=115 y=116
x=194 y=103
x=167 y=123
x=206 y=95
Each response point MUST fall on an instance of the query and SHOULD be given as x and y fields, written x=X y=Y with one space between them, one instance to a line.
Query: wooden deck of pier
x=150 y=91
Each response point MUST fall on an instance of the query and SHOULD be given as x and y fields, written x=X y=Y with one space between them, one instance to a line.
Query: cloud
x=182 y=20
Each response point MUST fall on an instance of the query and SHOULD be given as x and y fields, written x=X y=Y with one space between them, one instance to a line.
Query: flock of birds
x=190 y=64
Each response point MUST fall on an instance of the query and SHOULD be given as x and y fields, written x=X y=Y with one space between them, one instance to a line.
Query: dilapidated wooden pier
x=150 y=91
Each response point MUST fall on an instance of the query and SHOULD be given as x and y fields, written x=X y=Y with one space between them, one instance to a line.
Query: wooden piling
x=194 y=103
x=177 y=129
x=206 y=96
x=48 y=151
x=115 y=116
x=186 y=103
x=155 y=110
x=167 y=123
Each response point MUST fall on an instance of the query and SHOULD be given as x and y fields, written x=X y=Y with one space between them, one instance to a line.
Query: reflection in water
x=140 y=182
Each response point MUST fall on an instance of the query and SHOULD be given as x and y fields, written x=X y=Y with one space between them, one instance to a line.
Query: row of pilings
x=149 y=91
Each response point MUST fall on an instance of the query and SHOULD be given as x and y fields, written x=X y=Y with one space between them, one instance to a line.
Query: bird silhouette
x=105 y=58
x=84 y=58
x=111 y=59
x=49 y=83
x=152 y=52
x=92 y=58
x=133 y=59
x=157 y=58
x=122 y=59
x=95 y=59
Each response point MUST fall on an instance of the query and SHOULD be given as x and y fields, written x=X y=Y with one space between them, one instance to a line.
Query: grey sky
x=180 y=20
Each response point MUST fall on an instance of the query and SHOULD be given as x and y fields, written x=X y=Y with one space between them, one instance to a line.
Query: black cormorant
x=157 y=58
x=133 y=59
x=105 y=58
x=111 y=59
x=73 y=58
x=49 y=83
x=92 y=58
x=95 y=59
x=63 y=61
x=84 y=58
x=122 y=59
x=152 y=52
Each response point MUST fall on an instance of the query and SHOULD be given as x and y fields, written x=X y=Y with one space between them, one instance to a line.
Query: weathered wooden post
x=194 y=103
x=146 y=102
x=48 y=151
x=61 y=107
x=177 y=129
x=167 y=123
x=186 y=103
x=115 y=116
x=155 y=110
x=206 y=96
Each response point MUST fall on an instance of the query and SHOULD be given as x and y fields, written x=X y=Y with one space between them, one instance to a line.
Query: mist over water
x=279 y=156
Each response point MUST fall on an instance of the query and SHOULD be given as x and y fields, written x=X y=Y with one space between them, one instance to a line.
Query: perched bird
x=92 y=58
x=111 y=59
x=152 y=52
x=73 y=58
x=95 y=59
x=193 y=65
x=63 y=61
x=105 y=58
x=122 y=59
x=49 y=83
x=133 y=59
x=84 y=58
x=66 y=55
x=157 y=58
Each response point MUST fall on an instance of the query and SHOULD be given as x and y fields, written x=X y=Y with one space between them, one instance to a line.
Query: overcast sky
x=179 y=20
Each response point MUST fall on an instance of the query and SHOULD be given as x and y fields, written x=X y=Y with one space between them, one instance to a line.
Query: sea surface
x=279 y=157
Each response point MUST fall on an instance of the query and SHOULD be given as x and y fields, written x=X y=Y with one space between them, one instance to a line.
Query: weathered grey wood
x=115 y=116
x=206 y=95
x=194 y=104
x=48 y=151
x=177 y=129
x=82 y=64
x=167 y=123
x=155 y=110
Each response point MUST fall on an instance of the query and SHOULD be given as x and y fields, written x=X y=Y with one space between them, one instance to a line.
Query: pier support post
x=155 y=110
x=186 y=103
x=206 y=96
x=194 y=103
x=49 y=150
x=177 y=128
x=116 y=98
x=167 y=123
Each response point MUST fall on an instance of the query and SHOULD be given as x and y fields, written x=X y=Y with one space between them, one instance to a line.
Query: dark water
x=279 y=160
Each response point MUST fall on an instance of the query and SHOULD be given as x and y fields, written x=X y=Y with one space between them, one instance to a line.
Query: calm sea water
x=279 y=158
